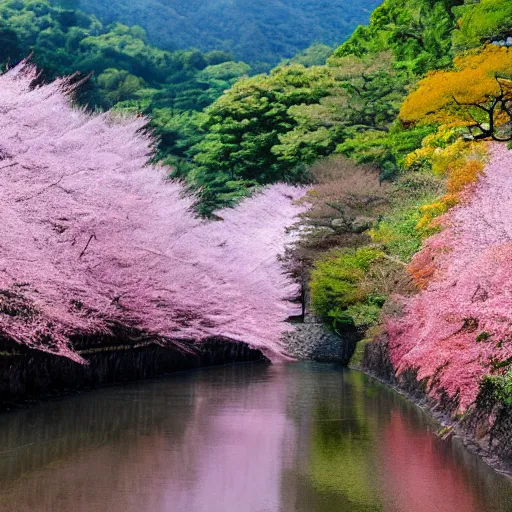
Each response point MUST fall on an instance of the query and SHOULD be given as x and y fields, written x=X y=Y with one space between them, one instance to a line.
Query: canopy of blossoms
x=460 y=327
x=91 y=236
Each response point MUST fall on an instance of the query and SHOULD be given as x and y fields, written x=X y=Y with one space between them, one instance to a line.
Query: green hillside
x=262 y=32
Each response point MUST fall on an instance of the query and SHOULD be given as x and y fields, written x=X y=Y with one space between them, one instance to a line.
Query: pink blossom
x=93 y=236
x=469 y=294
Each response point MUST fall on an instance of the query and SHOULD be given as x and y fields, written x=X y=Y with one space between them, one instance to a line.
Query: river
x=299 y=437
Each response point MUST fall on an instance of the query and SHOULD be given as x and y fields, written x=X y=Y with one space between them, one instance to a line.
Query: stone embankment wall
x=485 y=428
x=27 y=375
x=312 y=340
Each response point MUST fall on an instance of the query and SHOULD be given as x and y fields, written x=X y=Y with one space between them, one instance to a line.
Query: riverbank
x=29 y=375
x=485 y=428
x=312 y=340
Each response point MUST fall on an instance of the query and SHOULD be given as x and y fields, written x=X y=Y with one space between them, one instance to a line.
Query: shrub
x=497 y=387
x=388 y=150
x=345 y=200
x=446 y=156
x=336 y=287
x=398 y=232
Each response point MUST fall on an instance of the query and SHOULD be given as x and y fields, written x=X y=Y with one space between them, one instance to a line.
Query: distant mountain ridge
x=254 y=31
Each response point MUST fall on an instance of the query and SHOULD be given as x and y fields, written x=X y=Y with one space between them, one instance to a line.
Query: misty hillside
x=254 y=31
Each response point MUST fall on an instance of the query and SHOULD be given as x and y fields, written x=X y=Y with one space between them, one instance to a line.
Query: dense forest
x=269 y=128
x=260 y=33
x=393 y=129
x=126 y=71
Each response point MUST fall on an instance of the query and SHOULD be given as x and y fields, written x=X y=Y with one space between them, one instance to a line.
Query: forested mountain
x=254 y=31
x=124 y=65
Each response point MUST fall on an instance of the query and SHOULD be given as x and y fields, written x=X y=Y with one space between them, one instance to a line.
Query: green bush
x=498 y=387
x=482 y=22
x=386 y=149
x=336 y=288
x=397 y=230
x=398 y=233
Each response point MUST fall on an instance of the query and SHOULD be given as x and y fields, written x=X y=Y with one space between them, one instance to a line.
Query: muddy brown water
x=298 y=437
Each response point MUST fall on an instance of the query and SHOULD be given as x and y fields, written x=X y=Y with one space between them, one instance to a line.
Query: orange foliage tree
x=477 y=94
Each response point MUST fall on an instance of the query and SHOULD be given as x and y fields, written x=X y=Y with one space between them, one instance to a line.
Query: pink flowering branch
x=99 y=237
x=454 y=329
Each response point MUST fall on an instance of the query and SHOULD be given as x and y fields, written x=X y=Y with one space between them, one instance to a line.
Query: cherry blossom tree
x=459 y=328
x=93 y=237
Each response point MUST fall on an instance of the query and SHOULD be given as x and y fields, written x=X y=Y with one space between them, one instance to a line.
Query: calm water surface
x=248 y=438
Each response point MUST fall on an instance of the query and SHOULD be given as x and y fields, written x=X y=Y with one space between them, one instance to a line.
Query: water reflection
x=250 y=438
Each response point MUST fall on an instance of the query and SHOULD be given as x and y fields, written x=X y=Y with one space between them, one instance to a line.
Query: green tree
x=245 y=124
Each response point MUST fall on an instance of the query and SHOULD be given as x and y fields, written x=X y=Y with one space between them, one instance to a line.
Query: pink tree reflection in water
x=283 y=438
x=250 y=445
x=418 y=473
x=221 y=447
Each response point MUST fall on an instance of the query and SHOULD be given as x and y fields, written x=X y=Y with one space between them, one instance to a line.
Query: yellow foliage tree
x=459 y=162
x=477 y=94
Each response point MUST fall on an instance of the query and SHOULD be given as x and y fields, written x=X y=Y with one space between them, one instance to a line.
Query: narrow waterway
x=246 y=438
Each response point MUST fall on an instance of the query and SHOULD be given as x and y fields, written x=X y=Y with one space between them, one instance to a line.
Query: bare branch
x=87 y=245
x=42 y=191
